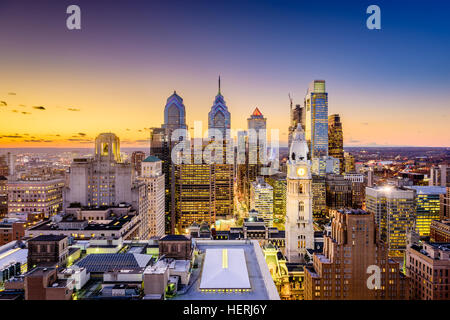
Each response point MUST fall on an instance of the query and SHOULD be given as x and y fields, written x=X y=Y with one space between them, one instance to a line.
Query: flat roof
x=262 y=285
x=225 y=269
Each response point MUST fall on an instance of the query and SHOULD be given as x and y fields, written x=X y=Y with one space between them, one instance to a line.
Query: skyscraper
x=278 y=183
x=316 y=120
x=299 y=219
x=136 y=160
x=195 y=195
x=257 y=148
x=336 y=139
x=161 y=145
x=174 y=113
x=261 y=199
x=427 y=206
x=394 y=212
x=103 y=180
x=349 y=163
x=341 y=271
x=440 y=175
x=219 y=118
x=152 y=174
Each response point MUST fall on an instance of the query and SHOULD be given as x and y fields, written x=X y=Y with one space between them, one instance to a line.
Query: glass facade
x=316 y=133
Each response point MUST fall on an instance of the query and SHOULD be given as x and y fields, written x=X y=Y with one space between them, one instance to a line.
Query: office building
x=395 y=213
x=35 y=199
x=136 y=160
x=257 y=146
x=444 y=200
x=319 y=201
x=12 y=229
x=440 y=231
x=47 y=250
x=316 y=120
x=299 y=218
x=195 y=195
x=154 y=179
x=440 y=175
x=85 y=223
x=428 y=268
x=350 y=249
x=349 y=163
x=278 y=184
x=219 y=119
x=338 y=192
x=358 y=186
x=3 y=197
x=322 y=166
x=427 y=206
x=261 y=199
x=336 y=140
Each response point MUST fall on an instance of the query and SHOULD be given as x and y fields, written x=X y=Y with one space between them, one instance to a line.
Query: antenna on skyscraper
x=290 y=99
x=219 y=84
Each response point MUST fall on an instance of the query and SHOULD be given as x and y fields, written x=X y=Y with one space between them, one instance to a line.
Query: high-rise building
x=351 y=253
x=136 y=160
x=338 y=192
x=427 y=206
x=358 y=186
x=428 y=268
x=261 y=199
x=299 y=219
x=195 y=195
x=297 y=116
x=103 y=180
x=316 y=120
x=257 y=147
x=395 y=212
x=370 y=178
x=440 y=175
x=161 y=144
x=336 y=139
x=444 y=200
x=349 y=163
x=219 y=118
x=278 y=183
x=34 y=200
x=154 y=178
x=4 y=169
x=3 y=197
x=174 y=113
x=319 y=202
x=323 y=165
x=106 y=180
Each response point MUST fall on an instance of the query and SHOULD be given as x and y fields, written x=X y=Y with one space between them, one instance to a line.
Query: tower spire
x=219 y=84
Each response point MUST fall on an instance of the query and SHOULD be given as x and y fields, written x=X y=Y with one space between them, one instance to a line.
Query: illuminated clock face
x=301 y=172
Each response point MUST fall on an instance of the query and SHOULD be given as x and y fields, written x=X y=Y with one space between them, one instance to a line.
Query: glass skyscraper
x=316 y=122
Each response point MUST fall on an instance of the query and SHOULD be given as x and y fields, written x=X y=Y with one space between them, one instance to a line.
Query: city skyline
x=62 y=88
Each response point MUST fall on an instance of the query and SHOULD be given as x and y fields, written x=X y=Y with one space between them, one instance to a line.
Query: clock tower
x=299 y=220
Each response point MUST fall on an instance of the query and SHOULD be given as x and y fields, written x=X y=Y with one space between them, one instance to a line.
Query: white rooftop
x=225 y=269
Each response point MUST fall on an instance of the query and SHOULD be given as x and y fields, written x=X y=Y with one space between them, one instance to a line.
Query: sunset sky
x=61 y=88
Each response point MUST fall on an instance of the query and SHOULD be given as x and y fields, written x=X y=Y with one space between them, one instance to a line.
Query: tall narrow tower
x=299 y=218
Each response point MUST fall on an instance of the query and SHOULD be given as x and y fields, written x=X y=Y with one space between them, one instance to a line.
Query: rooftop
x=225 y=269
x=50 y=237
x=151 y=159
x=105 y=262
x=174 y=237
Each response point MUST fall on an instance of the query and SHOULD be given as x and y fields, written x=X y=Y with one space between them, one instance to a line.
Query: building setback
x=341 y=271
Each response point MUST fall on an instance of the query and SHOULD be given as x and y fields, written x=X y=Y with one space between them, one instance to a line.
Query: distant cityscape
x=247 y=221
